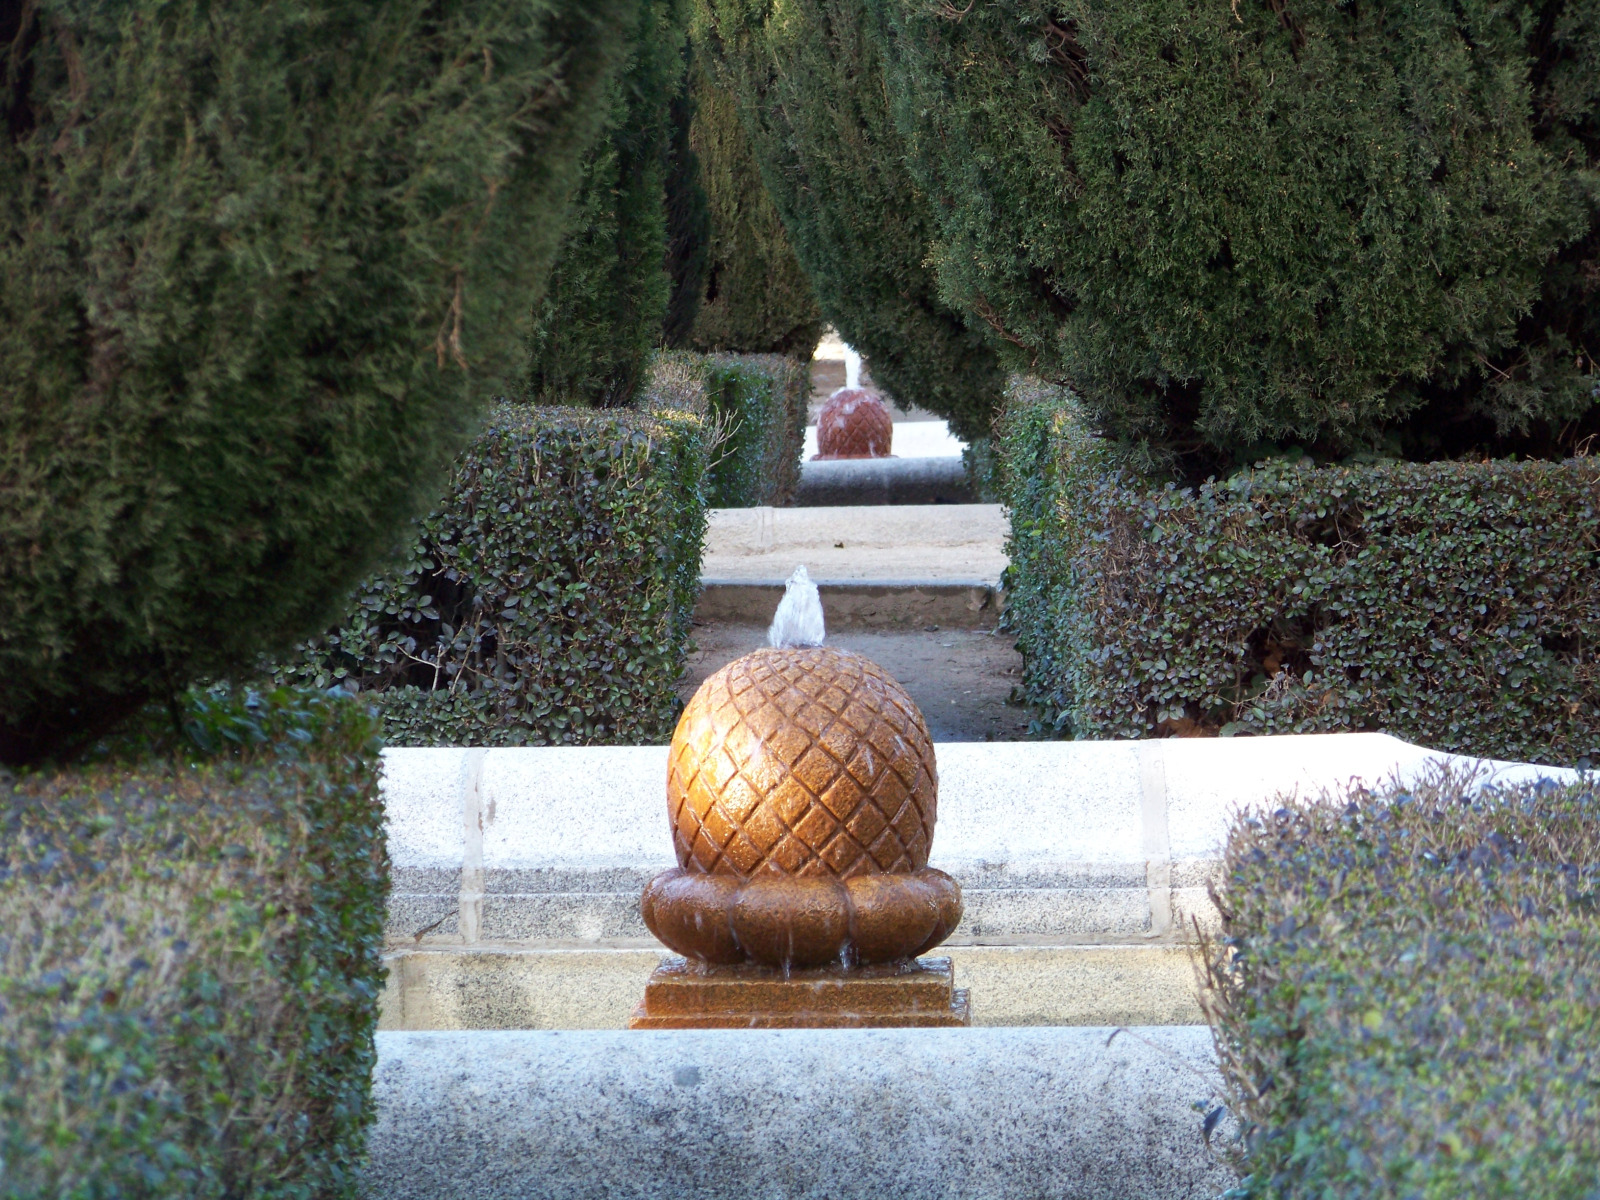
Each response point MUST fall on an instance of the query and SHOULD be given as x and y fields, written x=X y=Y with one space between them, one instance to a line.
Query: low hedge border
x=1452 y=603
x=548 y=601
x=757 y=406
x=190 y=960
x=1406 y=994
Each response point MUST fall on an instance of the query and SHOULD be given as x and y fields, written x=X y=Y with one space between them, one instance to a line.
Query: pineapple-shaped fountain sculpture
x=802 y=794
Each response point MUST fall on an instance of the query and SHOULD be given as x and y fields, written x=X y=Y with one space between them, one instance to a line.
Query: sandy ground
x=964 y=542
x=961 y=678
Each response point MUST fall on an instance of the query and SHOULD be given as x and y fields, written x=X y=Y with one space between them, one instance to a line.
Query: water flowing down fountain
x=854 y=423
x=802 y=794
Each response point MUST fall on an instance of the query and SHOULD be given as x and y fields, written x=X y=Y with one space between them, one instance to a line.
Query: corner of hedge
x=1455 y=604
x=1406 y=992
x=189 y=958
x=548 y=600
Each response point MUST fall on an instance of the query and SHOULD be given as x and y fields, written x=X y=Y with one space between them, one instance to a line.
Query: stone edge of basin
x=934 y=480
x=1067 y=840
x=891 y=1114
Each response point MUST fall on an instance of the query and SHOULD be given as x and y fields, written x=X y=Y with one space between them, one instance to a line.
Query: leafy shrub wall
x=755 y=405
x=756 y=298
x=258 y=265
x=601 y=317
x=548 y=599
x=189 y=961
x=1297 y=222
x=1407 y=994
x=808 y=80
x=1456 y=604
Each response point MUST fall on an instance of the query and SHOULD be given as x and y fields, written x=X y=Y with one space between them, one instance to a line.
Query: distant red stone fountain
x=854 y=423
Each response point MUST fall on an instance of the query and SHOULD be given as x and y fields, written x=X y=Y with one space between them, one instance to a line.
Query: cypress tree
x=688 y=218
x=258 y=265
x=808 y=78
x=603 y=313
x=756 y=299
x=1346 y=227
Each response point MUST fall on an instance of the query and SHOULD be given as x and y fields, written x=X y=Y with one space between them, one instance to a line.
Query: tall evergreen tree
x=688 y=217
x=756 y=298
x=604 y=310
x=259 y=263
x=1342 y=226
x=808 y=78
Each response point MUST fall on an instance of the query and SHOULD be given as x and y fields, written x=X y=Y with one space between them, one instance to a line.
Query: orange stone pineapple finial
x=802 y=793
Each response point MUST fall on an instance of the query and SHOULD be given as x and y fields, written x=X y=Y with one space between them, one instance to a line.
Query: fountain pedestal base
x=685 y=995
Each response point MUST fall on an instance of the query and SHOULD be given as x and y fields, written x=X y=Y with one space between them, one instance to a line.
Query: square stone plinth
x=684 y=995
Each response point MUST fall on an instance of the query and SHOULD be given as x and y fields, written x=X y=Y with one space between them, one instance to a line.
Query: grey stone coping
x=890 y=1114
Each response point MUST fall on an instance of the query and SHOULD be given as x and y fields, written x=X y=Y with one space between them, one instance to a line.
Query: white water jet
x=852 y=367
x=798 y=621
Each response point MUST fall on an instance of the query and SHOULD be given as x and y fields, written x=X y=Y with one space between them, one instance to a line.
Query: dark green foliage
x=688 y=218
x=603 y=313
x=808 y=79
x=1452 y=604
x=548 y=601
x=1407 y=994
x=756 y=405
x=756 y=299
x=1295 y=222
x=189 y=961
x=258 y=262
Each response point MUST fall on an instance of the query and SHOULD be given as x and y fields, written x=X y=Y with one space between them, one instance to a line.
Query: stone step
x=877 y=567
x=891 y=1114
x=597 y=985
x=915 y=544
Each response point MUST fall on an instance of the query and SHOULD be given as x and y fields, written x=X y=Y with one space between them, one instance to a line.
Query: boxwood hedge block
x=548 y=599
x=259 y=266
x=756 y=404
x=189 y=960
x=1455 y=604
x=1406 y=994
x=1296 y=222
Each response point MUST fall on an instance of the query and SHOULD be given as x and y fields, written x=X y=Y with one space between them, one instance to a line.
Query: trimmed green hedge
x=1456 y=604
x=189 y=961
x=548 y=600
x=1407 y=994
x=756 y=405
